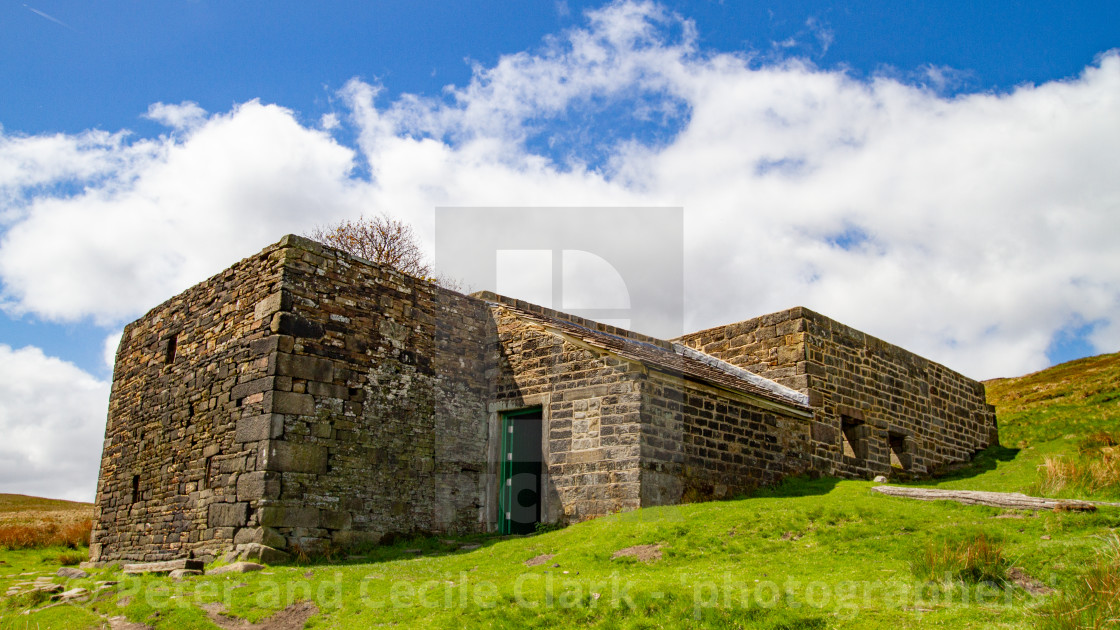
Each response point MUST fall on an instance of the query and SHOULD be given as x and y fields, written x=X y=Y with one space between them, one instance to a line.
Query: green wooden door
x=519 y=500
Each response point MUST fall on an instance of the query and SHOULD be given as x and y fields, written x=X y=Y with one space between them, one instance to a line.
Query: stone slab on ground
x=71 y=573
x=237 y=567
x=1005 y=500
x=257 y=552
x=166 y=566
x=74 y=594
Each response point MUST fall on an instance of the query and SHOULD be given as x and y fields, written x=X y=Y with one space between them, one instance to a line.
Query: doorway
x=519 y=494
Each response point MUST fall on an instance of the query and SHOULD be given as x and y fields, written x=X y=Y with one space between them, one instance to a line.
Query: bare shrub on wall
x=380 y=239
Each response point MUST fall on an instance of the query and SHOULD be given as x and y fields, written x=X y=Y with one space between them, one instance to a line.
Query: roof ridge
x=591 y=324
x=633 y=346
x=755 y=379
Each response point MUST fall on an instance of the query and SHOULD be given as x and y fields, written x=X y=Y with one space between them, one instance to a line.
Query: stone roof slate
x=653 y=352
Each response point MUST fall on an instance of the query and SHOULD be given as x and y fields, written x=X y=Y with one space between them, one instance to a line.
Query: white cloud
x=970 y=228
x=52 y=417
x=822 y=33
x=188 y=208
x=186 y=115
x=109 y=349
x=32 y=166
x=329 y=121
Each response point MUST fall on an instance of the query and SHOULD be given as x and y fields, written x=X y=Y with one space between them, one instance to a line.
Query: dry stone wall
x=878 y=408
x=172 y=465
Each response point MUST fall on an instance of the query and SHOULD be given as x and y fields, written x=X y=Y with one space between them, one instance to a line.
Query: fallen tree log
x=1005 y=500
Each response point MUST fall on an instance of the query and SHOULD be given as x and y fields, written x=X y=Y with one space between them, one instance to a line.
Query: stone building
x=305 y=397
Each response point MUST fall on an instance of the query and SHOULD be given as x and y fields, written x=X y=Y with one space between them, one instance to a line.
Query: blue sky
x=939 y=174
x=71 y=66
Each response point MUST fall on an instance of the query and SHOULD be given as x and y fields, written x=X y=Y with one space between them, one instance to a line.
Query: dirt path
x=293 y=617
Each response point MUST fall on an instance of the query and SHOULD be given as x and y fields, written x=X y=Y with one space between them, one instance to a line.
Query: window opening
x=206 y=472
x=169 y=355
x=899 y=457
x=855 y=444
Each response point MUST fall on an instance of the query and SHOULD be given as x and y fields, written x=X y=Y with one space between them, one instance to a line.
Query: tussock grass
x=70 y=558
x=1092 y=600
x=1093 y=470
x=36 y=523
x=52 y=534
x=972 y=558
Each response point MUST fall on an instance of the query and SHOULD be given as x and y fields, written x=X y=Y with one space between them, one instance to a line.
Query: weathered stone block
x=179 y=574
x=254 y=386
x=291 y=403
x=260 y=427
x=297 y=457
x=253 y=486
x=280 y=516
x=334 y=519
x=305 y=367
x=257 y=552
x=350 y=538
x=227 y=514
x=237 y=567
x=71 y=573
x=279 y=301
x=823 y=433
x=262 y=535
x=327 y=390
x=296 y=326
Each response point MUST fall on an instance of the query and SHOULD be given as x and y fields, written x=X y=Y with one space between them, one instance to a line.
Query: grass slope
x=24 y=503
x=1072 y=399
x=18 y=509
x=819 y=553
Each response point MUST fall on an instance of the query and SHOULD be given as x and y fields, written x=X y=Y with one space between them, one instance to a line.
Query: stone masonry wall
x=378 y=386
x=864 y=391
x=302 y=397
x=701 y=443
x=305 y=397
x=171 y=467
x=592 y=414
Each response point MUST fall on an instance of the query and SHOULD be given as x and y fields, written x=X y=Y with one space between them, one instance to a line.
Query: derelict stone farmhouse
x=304 y=396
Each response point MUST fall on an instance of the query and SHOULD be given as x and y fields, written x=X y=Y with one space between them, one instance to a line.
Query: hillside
x=25 y=510
x=822 y=553
x=1072 y=399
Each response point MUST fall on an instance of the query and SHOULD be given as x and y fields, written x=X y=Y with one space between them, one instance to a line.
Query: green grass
x=819 y=553
x=967 y=557
x=811 y=553
x=1094 y=600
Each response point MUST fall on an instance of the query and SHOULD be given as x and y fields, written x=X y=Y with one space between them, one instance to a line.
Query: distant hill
x=23 y=509
x=1070 y=400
